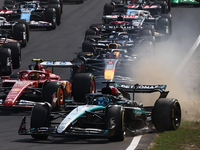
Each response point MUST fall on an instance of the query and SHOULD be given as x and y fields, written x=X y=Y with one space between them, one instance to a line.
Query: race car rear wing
x=57 y=63
x=136 y=88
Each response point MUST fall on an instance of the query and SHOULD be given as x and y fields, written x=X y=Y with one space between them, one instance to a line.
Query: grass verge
x=187 y=137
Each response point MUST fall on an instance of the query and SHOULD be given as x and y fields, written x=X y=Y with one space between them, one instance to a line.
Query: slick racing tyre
x=57 y=2
x=58 y=12
x=83 y=83
x=115 y=122
x=19 y=33
x=90 y=32
x=5 y=62
x=24 y=21
x=149 y=27
x=145 y=32
x=15 y=53
x=164 y=6
x=163 y=26
x=108 y=9
x=169 y=17
x=53 y=93
x=87 y=47
x=166 y=114
x=168 y=4
x=50 y=16
x=9 y=4
x=40 y=117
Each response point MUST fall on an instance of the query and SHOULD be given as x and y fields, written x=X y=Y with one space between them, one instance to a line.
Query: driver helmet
x=102 y=101
x=34 y=76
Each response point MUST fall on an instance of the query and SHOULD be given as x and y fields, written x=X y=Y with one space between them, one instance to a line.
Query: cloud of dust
x=160 y=69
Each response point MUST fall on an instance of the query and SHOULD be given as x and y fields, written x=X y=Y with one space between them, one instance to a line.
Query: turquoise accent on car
x=90 y=109
x=105 y=133
x=139 y=112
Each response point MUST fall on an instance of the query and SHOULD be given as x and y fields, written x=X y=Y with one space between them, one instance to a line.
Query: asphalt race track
x=63 y=44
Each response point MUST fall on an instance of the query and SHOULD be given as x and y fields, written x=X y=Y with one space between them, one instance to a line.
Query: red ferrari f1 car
x=28 y=87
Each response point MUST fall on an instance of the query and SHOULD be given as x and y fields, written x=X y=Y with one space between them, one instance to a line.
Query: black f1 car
x=159 y=25
x=44 y=14
x=111 y=64
x=155 y=7
x=14 y=30
x=111 y=114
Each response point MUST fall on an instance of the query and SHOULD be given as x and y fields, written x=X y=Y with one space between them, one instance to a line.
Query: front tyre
x=115 y=122
x=50 y=16
x=40 y=117
x=83 y=83
x=166 y=114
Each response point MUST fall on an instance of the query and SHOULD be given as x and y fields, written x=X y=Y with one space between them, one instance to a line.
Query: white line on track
x=134 y=142
x=187 y=57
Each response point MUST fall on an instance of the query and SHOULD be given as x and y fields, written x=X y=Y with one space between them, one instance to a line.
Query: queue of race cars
x=99 y=97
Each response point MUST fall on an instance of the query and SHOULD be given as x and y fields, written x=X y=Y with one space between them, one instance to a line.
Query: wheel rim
x=177 y=117
x=61 y=97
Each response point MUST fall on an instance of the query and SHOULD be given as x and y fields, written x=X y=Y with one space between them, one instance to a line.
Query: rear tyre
x=50 y=16
x=163 y=26
x=108 y=9
x=145 y=32
x=166 y=114
x=151 y=28
x=9 y=4
x=83 y=83
x=87 y=46
x=90 y=32
x=58 y=12
x=40 y=117
x=5 y=62
x=24 y=21
x=53 y=93
x=20 y=33
x=169 y=17
x=164 y=6
x=15 y=53
x=115 y=122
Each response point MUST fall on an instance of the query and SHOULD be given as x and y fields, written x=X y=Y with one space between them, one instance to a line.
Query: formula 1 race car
x=160 y=25
x=14 y=30
x=28 y=87
x=154 y=7
x=38 y=13
x=118 y=40
x=111 y=114
x=112 y=64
